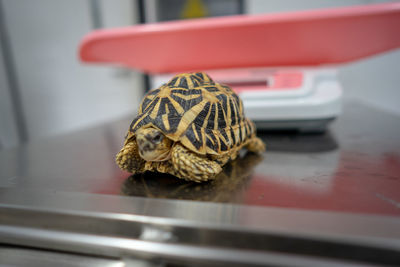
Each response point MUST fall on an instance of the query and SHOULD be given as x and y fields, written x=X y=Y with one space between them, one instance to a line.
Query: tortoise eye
x=158 y=137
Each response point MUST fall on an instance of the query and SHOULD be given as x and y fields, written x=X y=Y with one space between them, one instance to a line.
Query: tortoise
x=189 y=127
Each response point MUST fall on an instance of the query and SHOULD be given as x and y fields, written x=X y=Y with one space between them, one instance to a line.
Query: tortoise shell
x=205 y=116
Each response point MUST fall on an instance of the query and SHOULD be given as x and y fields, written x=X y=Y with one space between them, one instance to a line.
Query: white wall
x=60 y=94
x=375 y=80
x=274 y=6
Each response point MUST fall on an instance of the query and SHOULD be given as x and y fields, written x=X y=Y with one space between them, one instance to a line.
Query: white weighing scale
x=282 y=99
x=275 y=62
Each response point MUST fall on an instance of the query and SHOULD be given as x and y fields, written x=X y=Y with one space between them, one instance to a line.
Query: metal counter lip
x=118 y=247
x=134 y=215
x=365 y=228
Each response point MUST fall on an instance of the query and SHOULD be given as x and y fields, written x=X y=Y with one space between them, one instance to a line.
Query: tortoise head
x=153 y=144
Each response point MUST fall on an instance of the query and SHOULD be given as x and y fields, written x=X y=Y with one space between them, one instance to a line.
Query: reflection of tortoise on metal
x=190 y=128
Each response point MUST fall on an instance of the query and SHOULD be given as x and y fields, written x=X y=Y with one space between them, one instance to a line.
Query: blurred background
x=46 y=91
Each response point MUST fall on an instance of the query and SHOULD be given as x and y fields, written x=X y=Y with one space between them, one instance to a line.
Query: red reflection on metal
x=113 y=185
x=361 y=184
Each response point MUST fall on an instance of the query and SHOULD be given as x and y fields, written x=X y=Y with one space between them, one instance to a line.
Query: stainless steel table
x=311 y=199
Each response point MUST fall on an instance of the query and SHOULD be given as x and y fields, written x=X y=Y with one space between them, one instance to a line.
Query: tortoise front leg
x=189 y=166
x=129 y=159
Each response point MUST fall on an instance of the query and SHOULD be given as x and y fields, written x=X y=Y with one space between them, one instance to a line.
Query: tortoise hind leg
x=128 y=158
x=190 y=166
x=255 y=145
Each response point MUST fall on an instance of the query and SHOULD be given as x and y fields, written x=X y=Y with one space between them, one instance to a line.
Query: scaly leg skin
x=159 y=166
x=256 y=145
x=128 y=158
x=191 y=167
x=222 y=160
